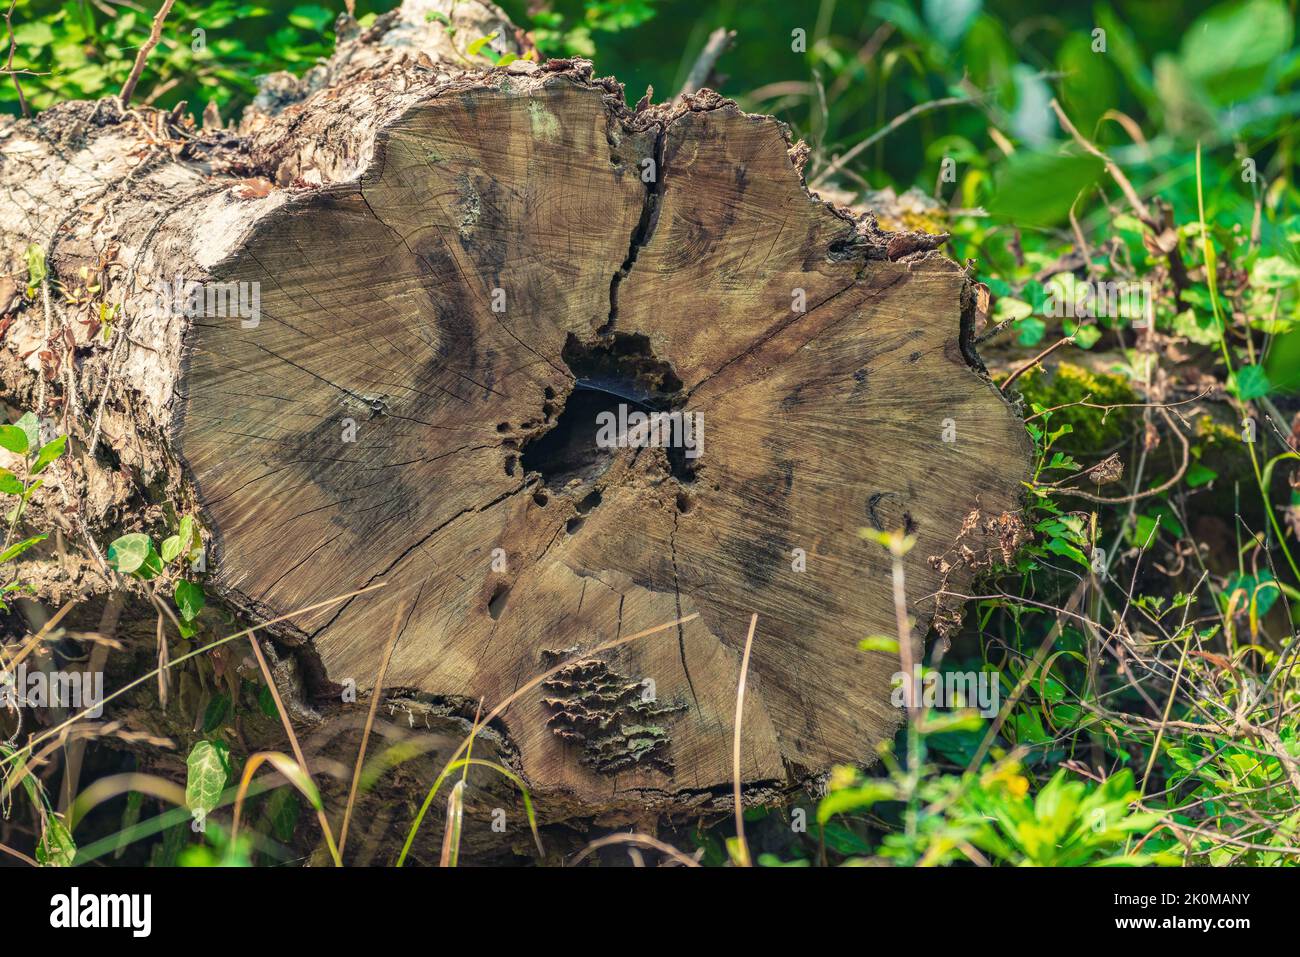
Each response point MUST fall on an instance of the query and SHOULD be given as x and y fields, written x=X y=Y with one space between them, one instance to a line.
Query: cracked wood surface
x=380 y=254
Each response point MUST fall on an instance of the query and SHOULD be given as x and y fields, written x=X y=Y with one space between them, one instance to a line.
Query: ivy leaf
x=1059 y=546
x=216 y=712
x=129 y=552
x=189 y=536
x=152 y=566
x=189 y=599
x=206 y=779
x=171 y=547
x=1203 y=329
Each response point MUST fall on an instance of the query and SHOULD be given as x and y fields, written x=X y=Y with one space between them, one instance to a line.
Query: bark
x=456 y=271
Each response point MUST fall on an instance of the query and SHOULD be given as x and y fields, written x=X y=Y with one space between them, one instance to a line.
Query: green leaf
x=128 y=553
x=35 y=268
x=437 y=16
x=879 y=643
x=1250 y=382
x=10 y=484
x=36 y=33
x=1274 y=272
x=1038 y=188
x=282 y=811
x=1203 y=329
x=1085 y=337
x=151 y=567
x=855 y=799
x=57 y=848
x=1261 y=589
x=189 y=536
x=16 y=549
x=477 y=45
x=266 y=701
x=310 y=17
x=1198 y=475
x=1283 y=362
x=949 y=20
x=1088 y=83
x=48 y=454
x=171 y=547
x=1030 y=331
x=31 y=427
x=207 y=772
x=1229 y=49
x=216 y=712
x=1059 y=546
x=189 y=599
x=14 y=439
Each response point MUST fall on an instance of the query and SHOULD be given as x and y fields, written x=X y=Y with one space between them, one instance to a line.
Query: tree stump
x=448 y=278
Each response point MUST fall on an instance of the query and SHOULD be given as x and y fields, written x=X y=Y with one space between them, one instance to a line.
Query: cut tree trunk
x=448 y=274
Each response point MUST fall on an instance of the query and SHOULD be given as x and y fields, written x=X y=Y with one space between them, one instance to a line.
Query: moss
x=1219 y=446
x=1094 y=429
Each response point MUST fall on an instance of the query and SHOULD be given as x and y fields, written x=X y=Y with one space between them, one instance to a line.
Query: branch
x=155 y=34
x=888 y=128
x=719 y=42
x=1035 y=361
x=9 y=64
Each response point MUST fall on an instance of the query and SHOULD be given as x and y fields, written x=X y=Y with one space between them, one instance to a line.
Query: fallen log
x=555 y=370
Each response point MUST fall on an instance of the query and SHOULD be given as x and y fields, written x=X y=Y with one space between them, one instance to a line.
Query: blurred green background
x=1181 y=72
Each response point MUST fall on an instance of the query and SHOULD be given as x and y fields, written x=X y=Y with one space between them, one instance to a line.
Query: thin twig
x=9 y=64
x=885 y=130
x=128 y=88
x=1146 y=493
x=719 y=42
x=1035 y=361
x=742 y=849
x=1126 y=187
